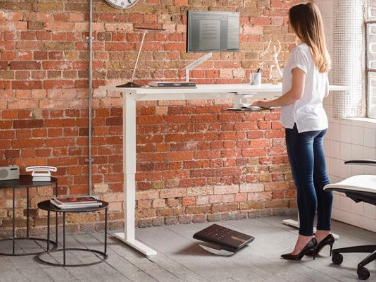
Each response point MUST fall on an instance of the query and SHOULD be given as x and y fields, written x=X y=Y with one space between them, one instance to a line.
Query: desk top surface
x=25 y=181
x=210 y=88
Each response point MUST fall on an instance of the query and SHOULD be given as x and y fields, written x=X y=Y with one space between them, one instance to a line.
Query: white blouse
x=308 y=112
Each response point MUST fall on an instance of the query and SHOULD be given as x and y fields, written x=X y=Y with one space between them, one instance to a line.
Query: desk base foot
x=142 y=248
x=291 y=222
x=295 y=224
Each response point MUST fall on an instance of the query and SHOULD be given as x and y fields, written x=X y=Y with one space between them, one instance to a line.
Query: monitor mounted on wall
x=213 y=31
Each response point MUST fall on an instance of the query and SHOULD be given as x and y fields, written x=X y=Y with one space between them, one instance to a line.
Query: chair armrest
x=361 y=162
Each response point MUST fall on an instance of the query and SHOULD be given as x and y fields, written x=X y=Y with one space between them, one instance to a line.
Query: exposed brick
x=195 y=162
x=28 y=123
x=35 y=25
x=25 y=65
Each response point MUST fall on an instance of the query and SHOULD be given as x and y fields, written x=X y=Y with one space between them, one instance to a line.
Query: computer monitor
x=213 y=31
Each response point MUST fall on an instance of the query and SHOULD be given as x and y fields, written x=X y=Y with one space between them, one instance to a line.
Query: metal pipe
x=90 y=159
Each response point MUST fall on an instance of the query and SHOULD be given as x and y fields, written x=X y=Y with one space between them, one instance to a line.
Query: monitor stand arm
x=195 y=64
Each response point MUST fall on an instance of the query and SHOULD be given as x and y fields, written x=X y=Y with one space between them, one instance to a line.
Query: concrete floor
x=181 y=259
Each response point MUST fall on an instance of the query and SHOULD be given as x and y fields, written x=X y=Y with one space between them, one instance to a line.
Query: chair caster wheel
x=337 y=258
x=363 y=273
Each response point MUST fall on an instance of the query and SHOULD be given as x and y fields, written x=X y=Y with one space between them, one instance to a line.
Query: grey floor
x=181 y=259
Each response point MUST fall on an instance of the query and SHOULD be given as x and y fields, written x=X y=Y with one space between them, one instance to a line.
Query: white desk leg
x=129 y=168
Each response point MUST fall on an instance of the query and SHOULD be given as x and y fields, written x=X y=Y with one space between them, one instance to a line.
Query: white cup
x=255 y=78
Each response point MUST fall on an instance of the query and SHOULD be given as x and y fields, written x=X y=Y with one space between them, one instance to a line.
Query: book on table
x=75 y=202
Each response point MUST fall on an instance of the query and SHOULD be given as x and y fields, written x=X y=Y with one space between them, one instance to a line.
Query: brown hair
x=307 y=23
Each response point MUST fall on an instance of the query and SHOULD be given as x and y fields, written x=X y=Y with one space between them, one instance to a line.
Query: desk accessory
x=222 y=238
x=41 y=173
x=251 y=109
x=131 y=84
x=9 y=172
x=255 y=78
x=172 y=84
x=275 y=73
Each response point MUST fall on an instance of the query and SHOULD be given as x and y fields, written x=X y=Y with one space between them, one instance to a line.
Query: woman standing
x=305 y=84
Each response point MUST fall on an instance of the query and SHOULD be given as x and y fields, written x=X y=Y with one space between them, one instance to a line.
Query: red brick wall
x=196 y=161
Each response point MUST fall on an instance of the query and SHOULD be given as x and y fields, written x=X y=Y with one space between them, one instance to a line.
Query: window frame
x=367 y=24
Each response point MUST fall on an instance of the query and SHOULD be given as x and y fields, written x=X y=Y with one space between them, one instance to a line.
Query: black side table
x=26 y=181
x=47 y=206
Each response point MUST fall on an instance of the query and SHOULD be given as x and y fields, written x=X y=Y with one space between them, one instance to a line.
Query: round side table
x=26 y=181
x=47 y=206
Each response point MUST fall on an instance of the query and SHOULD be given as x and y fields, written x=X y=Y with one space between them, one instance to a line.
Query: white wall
x=347 y=139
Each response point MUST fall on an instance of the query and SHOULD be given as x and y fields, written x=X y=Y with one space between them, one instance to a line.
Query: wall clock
x=122 y=4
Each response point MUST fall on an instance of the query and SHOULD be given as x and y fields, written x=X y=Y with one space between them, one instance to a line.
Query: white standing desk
x=236 y=92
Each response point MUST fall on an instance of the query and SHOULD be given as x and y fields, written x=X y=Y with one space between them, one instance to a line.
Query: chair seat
x=360 y=188
x=358 y=183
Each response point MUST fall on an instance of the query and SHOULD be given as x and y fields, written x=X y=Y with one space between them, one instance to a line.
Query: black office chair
x=360 y=188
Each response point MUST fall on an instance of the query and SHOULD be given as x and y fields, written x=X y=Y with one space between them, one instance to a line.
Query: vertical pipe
x=90 y=160
x=14 y=219
x=57 y=219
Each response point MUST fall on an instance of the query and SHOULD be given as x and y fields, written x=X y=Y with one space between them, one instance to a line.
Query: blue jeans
x=306 y=155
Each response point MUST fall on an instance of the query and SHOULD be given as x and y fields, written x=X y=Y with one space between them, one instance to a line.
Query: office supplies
x=172 y=84
x=256 y=77
x=223 y=238
x=247 y=109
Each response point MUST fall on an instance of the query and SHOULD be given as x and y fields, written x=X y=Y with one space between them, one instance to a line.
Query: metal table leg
x=105 y=231
x=48 y=231
x=63 y=238
x=57 y=218
x=27 y=212
x=14 y=220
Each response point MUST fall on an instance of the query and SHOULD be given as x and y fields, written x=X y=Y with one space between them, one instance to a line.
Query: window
x=370 y=55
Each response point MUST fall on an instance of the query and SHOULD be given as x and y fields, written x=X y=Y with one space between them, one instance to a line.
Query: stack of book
x=75 y=202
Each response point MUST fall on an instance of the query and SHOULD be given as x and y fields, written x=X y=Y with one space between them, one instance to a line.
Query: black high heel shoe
x=312 y=244
x=328 y=240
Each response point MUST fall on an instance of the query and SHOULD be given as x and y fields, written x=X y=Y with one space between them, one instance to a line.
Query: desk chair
x=360 y=188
